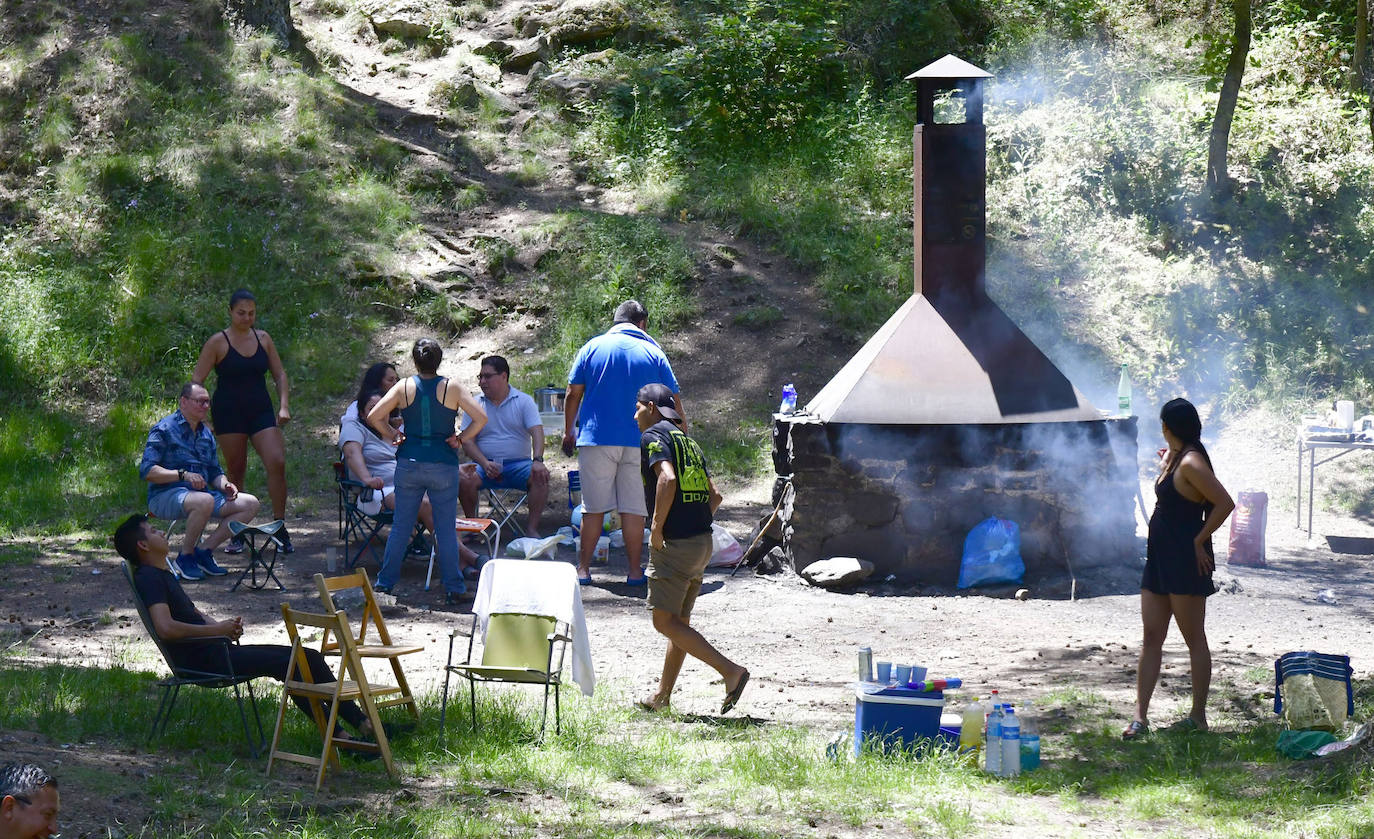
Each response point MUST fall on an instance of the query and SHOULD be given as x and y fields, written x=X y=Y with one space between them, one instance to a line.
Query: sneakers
x=206 y=559
x=381 y=589
x=189 y=567
x=233 y=546
x=284 y=541
x=458 y=598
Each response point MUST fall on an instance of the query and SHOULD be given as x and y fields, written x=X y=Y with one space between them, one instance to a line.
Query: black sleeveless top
x=240 y=387
x=1171 y=562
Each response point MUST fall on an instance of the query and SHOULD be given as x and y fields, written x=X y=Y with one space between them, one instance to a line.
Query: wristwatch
x=181 y=474
x=540 y=458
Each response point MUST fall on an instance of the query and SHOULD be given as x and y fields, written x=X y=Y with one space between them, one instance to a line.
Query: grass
x=614 y=772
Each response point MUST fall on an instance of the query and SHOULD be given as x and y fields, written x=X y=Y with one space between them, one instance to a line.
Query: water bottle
x=1030 y=740
x=992 y=755
x=971 y=728
x=1011 y=744
x=1123 y=393
x=789 y=399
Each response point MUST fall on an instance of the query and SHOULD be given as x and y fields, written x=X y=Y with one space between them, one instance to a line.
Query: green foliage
x=755 y=70
x=602 y=261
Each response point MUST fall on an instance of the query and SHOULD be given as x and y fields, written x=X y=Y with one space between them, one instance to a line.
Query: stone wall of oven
x=905 y=497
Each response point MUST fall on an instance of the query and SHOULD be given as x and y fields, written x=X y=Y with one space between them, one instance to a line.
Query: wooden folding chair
x=383 y=647
x=350 y=683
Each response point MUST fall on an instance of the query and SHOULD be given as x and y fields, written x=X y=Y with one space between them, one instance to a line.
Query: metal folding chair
x=171 y=686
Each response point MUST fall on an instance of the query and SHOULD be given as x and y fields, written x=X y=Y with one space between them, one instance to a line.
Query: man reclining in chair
x=509 y=450
x=181 y=465
x=178 y=622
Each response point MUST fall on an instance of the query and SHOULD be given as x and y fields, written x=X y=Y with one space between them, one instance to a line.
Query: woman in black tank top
x=240 y=409
x=1190 y=504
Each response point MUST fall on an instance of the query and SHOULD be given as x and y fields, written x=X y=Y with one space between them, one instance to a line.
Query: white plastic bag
x=726 y=551
x=532 y=548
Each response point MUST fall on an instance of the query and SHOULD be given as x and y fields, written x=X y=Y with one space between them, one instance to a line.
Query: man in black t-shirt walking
x=681 y=499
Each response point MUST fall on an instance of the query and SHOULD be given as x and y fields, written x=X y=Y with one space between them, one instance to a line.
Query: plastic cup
x=918 y=674
x=884 y=672
x=903 y=673
x=331 y=559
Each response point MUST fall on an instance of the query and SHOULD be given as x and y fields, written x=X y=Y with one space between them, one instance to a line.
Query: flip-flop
x=1187 y=725
x=1137 y=730
x=636 y=581
x=584 y=581
x=646 y=705
x=732 y=698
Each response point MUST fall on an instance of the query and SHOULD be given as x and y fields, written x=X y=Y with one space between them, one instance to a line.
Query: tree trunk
x=1218 y=182
x=1361 y=45
x=272 y=15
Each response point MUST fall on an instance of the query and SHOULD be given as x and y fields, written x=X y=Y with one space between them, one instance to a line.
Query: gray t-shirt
x=378 y=454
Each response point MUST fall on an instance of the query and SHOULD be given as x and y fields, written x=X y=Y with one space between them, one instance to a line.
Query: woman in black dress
x=240 y=409
x=1190 y=504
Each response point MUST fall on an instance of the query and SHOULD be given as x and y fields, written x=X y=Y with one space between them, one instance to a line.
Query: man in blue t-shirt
x=509 y=450
x=605 y=378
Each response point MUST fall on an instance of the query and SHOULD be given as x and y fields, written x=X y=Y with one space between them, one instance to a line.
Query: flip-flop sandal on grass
x=732 y=698
x=1187 y=725
x=1137 y=730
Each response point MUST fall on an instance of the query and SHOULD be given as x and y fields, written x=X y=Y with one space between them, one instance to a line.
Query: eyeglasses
x=482 y=377
x=22 y=799
x=202 y=401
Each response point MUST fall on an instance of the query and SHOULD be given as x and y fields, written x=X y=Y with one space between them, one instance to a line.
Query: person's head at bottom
x=28 y=802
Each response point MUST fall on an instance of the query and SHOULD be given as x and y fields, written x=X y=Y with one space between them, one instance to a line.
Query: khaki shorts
x=611 y=480
x=675 y=573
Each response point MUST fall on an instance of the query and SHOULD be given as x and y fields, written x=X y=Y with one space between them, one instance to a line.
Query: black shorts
x=241 y=419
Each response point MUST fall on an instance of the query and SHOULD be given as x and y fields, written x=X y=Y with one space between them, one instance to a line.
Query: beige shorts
x=611 y=480
x=675 y=574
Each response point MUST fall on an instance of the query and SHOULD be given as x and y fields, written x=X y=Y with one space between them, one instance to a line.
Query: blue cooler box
x=896 y=716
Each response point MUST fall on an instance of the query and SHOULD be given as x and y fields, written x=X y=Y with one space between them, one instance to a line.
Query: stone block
x=871 y=508
x=837 y=571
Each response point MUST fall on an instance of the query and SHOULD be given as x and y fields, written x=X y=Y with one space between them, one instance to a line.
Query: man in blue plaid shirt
x=181 y=465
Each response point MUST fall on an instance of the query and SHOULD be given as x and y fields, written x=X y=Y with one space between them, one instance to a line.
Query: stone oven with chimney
x=950 y=414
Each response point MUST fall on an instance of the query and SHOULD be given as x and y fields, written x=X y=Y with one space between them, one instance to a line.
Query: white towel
x=537 y=587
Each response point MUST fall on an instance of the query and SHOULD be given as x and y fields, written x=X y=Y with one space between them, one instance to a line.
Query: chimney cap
x=950 y=67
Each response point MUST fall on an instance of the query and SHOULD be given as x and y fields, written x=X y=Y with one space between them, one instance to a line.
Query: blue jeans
x=413 y=480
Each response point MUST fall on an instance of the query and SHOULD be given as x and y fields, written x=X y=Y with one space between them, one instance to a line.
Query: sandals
x=732 y=698
x=1187 y=725
x=1137 y=730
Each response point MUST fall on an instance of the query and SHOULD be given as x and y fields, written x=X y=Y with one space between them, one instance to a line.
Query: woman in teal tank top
x=426 y=462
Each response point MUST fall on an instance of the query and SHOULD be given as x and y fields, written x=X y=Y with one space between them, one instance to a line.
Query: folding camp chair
x=504 y=504
x=486 y=528
x=518 y=647
x=358 y=528
x=383 y=647
x=171 y=686
x=258 y=539
x=350 y=684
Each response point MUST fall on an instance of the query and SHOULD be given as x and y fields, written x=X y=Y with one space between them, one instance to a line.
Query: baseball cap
x=661 y=397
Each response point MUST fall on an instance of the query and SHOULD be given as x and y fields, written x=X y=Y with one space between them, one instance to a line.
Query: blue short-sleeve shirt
x=613 y=367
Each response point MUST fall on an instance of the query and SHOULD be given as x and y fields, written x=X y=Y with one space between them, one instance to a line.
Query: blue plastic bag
x=992 y=554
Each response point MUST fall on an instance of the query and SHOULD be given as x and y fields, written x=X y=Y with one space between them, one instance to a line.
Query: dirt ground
x=803 y=661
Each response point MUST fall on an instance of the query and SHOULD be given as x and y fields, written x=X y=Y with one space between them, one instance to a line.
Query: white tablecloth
x=538 y=587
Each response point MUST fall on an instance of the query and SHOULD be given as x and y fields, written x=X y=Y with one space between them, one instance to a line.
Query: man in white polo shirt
x=509 y=450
